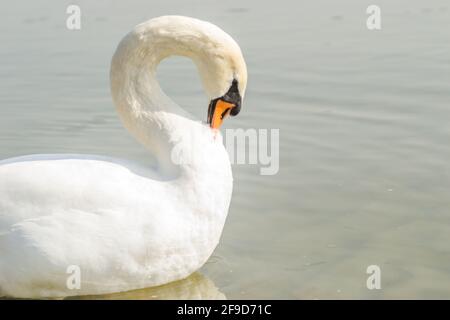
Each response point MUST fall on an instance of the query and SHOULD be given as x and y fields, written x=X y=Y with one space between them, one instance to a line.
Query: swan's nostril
x=224 y=113
x=217 y=111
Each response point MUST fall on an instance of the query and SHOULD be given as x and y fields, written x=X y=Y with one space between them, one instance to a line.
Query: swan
x=112 y=225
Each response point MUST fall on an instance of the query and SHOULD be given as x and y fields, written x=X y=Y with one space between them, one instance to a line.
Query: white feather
x=125 y=225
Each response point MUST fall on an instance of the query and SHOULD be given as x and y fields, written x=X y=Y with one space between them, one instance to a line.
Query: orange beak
x=217 y=111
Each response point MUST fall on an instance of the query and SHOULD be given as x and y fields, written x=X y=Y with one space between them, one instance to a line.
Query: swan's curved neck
x=151 y=116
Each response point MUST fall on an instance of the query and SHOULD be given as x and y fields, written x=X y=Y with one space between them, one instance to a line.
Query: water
x=364 y=128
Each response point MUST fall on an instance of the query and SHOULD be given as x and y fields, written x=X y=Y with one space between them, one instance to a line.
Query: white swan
x=127 y=226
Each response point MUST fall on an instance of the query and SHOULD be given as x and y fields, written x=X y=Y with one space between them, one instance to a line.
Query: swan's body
x=124 y=225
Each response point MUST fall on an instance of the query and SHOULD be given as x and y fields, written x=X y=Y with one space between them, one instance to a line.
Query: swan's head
x=228 y=104
x=222 y=69
x=218 y=58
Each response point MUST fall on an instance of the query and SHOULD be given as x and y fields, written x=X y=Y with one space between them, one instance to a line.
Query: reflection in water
x=196 y=286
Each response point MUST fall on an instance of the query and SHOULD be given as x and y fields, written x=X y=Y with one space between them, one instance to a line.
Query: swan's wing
x=112 y=253
x=118 y=226
x=41 y=185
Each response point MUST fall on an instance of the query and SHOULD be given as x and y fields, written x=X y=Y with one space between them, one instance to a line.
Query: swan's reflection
x=196 y=286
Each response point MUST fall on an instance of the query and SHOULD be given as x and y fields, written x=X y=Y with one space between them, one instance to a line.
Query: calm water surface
x=364 y=135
